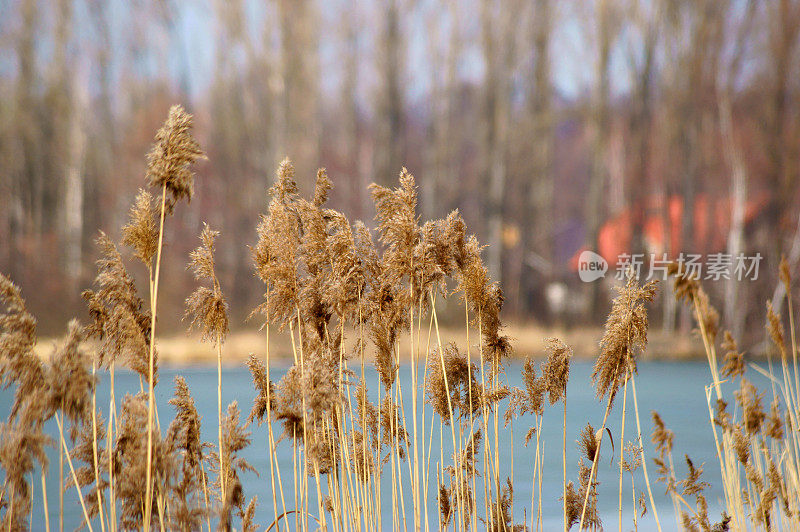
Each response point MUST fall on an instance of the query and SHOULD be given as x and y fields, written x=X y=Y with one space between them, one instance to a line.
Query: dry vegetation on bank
x=183 y=350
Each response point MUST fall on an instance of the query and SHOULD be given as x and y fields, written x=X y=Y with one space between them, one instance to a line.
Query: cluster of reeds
x=352 y=450
x=757 y=446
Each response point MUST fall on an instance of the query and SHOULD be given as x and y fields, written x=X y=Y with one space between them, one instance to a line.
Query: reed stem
x=44 y=502
x=564 y=461
x=219 y=420
x=72 y=469
x=644 y=458
x=594 y=464
x=622 y=448
x=148 y=502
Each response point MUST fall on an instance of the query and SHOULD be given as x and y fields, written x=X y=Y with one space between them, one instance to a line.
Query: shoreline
x=528 y=340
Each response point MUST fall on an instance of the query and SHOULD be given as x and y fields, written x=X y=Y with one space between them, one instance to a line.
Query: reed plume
x=450 y=374
x=397 y=226
x=234 y=499
x=555 y=369
x=484 y=297
x=392 y=426
x=169 y=168
x=501 y=520
x=22 y=447
x=265 y=400
x=90 y=452
x=169 y=163
x=687 y=288
x=118 y=321
x=633 y=457
x=189 y=498
x=206 y=307
x=531 y=398
x=248 y=516
x=19 y=365
x=70 y=381
x=130 y=464
x=276 y=252
x=624 y=338
x=774 y=426
x=721 y=416
x=208 y=310
x=581 y=504
x=141 y=232
x=751 y=403
x=234 y=439
x=17 y=335
x=733 y=363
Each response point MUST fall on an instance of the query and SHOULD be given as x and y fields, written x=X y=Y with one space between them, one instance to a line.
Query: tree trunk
x=599 y=133
x=498 y=57
x=73 y=193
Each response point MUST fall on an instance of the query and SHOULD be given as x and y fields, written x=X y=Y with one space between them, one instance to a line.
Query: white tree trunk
x=73 y=190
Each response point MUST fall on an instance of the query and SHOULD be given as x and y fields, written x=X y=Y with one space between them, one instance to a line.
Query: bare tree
x=734 y=311
x=783 y=20
x=642 y=58
x=607 y=28
x=300 y=87
x=531 y=198
x=22 y=204
x=74 y=180
x=391 y=130
x=499 y=30
x=351 y=122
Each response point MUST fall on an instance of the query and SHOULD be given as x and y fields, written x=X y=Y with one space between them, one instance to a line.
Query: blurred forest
x=661 y=126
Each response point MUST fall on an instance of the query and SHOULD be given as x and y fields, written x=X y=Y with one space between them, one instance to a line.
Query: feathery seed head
x=172 y=156
x=632 y=458
x=774 y=428
x=752 y=406
x=118 y=319
x=589 y=443
x=775 y=331
x=662 y=437
x=722 y=417
x=70 y=380
x=785 y=275
x=734 y=359
x=141 y=232
x=452 y=383
x=624 y=338
x=741 y=444
x=265 y=400
x=555 y=370
x=686 y=283
x=206 y=306
x=692 y=485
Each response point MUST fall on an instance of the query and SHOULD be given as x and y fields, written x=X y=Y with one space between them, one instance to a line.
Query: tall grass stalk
x=44 y=502
x=653 y=506
x=95 y=458
x=595 y=461
x=154 y=278
x=72 y=470
x=622 y=451
x=564 y=462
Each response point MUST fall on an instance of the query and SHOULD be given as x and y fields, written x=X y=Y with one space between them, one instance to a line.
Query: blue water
x=675 y=390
